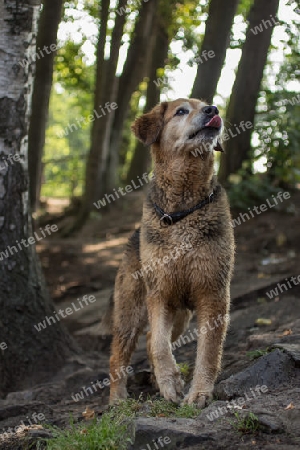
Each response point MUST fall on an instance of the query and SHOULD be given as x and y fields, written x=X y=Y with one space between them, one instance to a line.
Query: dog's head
x=183 y=124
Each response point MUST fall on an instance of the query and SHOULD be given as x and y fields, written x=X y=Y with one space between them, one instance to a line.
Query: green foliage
x=154 y=408
x=277 y=132
x=249 y=190
x=185 y=370
x=70 y=69
x=64 y=155
x=113 y=430
x=163 y=408
x=254 y=354
x=108 y=433
x=247 y=425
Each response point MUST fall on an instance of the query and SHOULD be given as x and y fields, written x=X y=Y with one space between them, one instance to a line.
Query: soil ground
x=267 y=253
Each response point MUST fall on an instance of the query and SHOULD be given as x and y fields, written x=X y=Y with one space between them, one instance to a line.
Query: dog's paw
x=172 y=388
x=199 y=399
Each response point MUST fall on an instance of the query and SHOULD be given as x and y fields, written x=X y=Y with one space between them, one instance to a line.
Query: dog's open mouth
x=213 y=124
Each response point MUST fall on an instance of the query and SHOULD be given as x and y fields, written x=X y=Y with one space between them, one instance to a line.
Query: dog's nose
x=210 y=111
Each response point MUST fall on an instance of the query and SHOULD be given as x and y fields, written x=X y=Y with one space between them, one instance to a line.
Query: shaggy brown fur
x=196 y=254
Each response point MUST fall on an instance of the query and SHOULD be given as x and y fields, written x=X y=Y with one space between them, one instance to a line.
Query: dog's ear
x=147 y=128
x=218 y=147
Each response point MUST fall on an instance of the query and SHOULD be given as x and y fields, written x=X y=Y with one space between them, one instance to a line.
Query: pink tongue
x=215 y=122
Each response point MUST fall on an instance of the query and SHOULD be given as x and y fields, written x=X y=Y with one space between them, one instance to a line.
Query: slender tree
x=213 y=49
x=27 y=356
x=141 y=157
x=135 y=68
x=242 y=104
x=105 y=93
x=46 y=44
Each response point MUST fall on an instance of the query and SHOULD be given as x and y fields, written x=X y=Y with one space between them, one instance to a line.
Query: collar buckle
x=166 y=220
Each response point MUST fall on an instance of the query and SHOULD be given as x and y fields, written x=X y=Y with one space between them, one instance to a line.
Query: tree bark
x=246 y=87
x=132 y=75
x=30 y=355
x=47 y=36
x=216 y=39
x=141 y=160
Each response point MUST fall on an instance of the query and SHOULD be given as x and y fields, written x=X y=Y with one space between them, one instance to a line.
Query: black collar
x=167 y=219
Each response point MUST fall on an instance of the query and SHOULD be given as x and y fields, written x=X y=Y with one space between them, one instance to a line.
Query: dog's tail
x=106 y=325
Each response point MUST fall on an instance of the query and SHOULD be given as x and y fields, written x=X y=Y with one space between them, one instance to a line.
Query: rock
x=169 y=433
x=272 y=370
x=269 y=422
x=293 y=350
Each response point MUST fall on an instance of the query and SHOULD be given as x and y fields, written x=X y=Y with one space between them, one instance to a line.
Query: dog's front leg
x=211 y=332
x=166 y=372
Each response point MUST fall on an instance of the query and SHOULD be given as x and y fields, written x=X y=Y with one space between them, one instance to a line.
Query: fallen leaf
x=263 y=321
x=290 y=406
x=286 y=333
x=281 y=239
x=84 y=431
x=262 y=275
x=88 y=413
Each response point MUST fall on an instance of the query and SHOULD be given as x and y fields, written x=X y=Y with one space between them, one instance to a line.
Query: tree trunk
x=105 y=92
x=141 y=160
x=47 y=36
x=27 y=356
x=216 y=39
x=132 y=75
x=246 y=87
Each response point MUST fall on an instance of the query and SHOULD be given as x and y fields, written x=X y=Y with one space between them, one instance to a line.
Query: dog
x=186 y=226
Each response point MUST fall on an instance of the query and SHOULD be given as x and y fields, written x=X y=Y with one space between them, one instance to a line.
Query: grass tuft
x=246 y=425
x=113 y=431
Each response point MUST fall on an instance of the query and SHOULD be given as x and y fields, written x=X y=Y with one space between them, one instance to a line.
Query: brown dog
x=181 y=259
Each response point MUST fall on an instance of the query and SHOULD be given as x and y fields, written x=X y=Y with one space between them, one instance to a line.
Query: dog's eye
x=181 y=112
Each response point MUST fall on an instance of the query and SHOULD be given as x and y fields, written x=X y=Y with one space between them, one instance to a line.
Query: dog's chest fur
x=189 y=255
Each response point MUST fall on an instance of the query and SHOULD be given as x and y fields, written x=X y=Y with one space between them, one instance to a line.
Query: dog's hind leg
x=129 y=318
